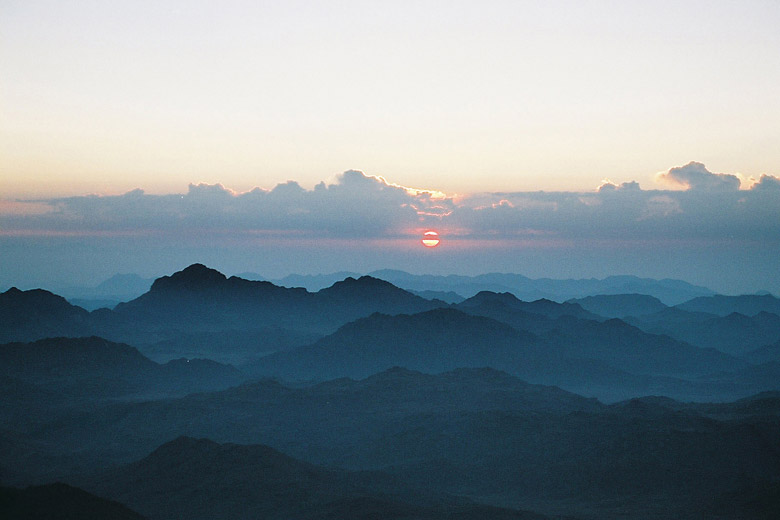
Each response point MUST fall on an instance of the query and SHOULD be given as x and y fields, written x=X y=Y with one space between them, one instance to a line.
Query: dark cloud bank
x=710 y=224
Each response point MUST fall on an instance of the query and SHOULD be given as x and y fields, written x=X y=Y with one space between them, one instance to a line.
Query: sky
x=559 y=139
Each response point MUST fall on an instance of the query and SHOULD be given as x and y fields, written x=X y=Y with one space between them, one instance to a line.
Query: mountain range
x=475 y=433
x=360 y=326
x=125 y=287
x=213 y=396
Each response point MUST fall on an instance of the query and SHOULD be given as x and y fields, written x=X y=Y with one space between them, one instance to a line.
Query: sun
x=430 y=239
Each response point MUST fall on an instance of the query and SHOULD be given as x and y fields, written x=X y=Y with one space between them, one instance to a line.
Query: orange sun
x=430 y=239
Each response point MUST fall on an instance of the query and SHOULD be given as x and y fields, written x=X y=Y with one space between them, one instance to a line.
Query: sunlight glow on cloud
x=766 y=182
x=695 y=176
x=364 y=207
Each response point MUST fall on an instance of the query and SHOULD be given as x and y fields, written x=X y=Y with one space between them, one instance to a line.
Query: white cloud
x=695 y=176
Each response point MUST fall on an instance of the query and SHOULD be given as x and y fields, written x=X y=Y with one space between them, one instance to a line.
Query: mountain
x=620 y=305
x=572 y=333
x=61 y=502
x=542 y=307
x=221 y=317
x=201 y=479
x=605 y=359
x=203 y=299
x=94 y=368
x=764 y=354
x=36 y=314
x=670 y=292
x=332 y=423
x=735 y=334
x=474 y=433
x=628 y=348
x=720 y=305
x=432 y=341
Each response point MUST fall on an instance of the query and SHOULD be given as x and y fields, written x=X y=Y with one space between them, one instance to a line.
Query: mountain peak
x=194 y=277
x=364 y=283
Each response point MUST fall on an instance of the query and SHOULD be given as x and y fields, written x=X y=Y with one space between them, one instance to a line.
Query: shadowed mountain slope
x=474 y=432
x=765 y=354
x=59 y=502
x=94 y=368
x=329 y=423
x=735 y=334
x=200 y=479
x=433 y=341
x=610 y=359
x=36 y=314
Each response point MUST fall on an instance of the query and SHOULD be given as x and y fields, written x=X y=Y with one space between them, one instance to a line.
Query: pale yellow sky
x=104 y=97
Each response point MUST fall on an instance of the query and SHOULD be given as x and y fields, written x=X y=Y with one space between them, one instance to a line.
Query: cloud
x=361 y=222
x=607 y=186
x=766 y=182
x=695 y=176
x=357 y=206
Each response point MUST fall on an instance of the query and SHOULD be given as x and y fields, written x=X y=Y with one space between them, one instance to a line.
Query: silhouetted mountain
x=433 y=341
x=354 y=295
x=93 y=368
x=200 y=302
x=628 y=456
x=620 y=305
x=476 y=433
x=542 y=307
x=334 y=423
x=764 y=354
x=200 y=479
x=748 y=304
x=36 y=314
x=59 y=502
x=628 y=348
x=202 y=299
x=670 y=292
x=571 y=333
x=735 y=334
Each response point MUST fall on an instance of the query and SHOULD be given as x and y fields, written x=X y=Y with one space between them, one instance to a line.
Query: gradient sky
x=457 y=96
x=484 y=104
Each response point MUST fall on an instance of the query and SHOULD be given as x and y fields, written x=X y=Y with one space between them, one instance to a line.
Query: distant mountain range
x=357 y=327
x=671 y=292
x=125 y=287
